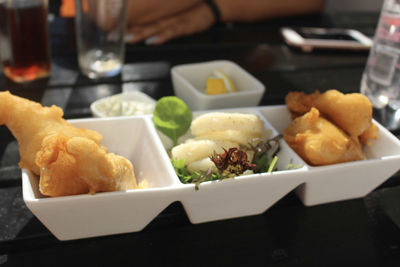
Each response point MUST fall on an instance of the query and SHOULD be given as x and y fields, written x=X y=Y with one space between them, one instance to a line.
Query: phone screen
x=326 y=35
x=310 y=38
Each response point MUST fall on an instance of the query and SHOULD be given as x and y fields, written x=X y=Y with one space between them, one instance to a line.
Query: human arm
x=146 y=11
x=193 y=20
x=253 y=10
x=199 y=17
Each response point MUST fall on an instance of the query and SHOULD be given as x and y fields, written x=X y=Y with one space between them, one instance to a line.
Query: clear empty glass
x=100 y=27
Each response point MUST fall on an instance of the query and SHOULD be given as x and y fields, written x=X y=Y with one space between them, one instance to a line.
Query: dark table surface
x=359 y=232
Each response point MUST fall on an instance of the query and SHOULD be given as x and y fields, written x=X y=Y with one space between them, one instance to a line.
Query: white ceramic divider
x=135 y=138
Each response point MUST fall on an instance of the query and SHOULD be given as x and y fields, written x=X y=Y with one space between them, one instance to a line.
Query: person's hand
x=193 y=20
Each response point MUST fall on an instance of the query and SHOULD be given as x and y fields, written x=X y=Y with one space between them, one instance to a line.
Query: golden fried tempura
x=371 y=133
x=300 y=103
x=351 y=112
x=31 y=124
x=319 y=142
x=88 y=166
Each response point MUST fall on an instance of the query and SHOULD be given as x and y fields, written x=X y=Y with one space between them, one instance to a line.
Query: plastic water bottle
x=381 y=78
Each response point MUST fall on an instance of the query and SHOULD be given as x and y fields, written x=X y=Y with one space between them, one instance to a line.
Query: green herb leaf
x=172 y=117
x=265 y=154
x=194 y=177
x=272 y=164
x=181 y=170
x=262 y=163
x=292 y=166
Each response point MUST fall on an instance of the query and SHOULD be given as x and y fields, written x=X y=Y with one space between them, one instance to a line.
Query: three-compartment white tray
x=82 y=216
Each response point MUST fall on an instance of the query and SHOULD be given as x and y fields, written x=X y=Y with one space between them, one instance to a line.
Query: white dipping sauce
x=114 y=106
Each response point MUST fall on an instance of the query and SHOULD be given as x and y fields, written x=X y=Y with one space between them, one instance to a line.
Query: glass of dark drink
x=24 y=39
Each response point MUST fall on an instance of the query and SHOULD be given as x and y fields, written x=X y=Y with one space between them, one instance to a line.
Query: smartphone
x=308 y=39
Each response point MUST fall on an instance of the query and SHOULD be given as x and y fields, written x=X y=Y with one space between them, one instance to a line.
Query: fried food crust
x=320 y=142
x=76 y=165
x=30 y=123
x=371 y=133
x=67 y=158
x=351 y=112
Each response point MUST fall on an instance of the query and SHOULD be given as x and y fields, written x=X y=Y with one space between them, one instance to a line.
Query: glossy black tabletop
x=358 y=232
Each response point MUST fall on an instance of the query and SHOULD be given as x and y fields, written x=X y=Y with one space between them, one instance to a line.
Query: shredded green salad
x=265 y=159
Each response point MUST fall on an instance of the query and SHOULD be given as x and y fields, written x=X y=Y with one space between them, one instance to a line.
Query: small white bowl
x=189 y=81
x=102 y=107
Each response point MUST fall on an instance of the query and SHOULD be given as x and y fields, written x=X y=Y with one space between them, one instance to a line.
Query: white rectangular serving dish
x=83 y=216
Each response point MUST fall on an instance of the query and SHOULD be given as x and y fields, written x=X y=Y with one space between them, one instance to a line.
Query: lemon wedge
x=215 y=86
x=229 y=85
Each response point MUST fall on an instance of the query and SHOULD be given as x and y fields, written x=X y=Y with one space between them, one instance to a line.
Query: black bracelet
x=214 y=9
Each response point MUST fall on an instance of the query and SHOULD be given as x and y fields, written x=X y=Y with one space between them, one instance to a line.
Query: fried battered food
x=87 y=165
x=371 y=133
x=320 y=142
x=300 y=103
x=351 y=112
x=29 y=123
x=34 y=125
